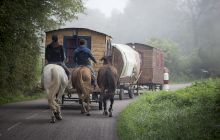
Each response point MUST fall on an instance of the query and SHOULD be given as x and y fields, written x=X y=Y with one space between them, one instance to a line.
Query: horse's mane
x=106 y=60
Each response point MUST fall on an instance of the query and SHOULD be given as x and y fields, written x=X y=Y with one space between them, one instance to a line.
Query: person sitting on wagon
x=54 y=54
x=81 y=58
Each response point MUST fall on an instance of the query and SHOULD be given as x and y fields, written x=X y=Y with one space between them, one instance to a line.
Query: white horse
x=55 y=81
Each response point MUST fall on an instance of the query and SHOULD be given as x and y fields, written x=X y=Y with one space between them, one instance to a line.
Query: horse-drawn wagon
x=99 y=44
x=127 y=62
x=152 y=65
x=137 y=64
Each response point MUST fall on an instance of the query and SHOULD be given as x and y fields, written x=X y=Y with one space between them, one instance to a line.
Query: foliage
x=195 y=13
x=210 y=59
x=197 y=39
x=200 y=17
x=200 y=63
x=203 y=62
x=23 y=22
x=191 y=113
x=169 y=48
x=173 y=60
x=21 y=97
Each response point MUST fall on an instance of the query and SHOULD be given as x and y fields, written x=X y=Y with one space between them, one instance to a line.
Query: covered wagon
x=127 y=62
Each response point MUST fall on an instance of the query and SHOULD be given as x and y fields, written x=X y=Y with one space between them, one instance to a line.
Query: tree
x=195 y=11
x=169 y=48
x=210 y=60
x=178 y=64
x=22 y=22
x=203 y=18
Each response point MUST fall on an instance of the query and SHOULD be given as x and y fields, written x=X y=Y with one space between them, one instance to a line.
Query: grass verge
x=22 y=97
x=189 y=114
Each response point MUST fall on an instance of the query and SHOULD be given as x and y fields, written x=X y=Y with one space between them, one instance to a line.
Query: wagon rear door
x=70 y=44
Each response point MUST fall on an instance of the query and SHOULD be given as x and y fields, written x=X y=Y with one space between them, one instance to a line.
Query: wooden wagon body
x=152 y=65
x=99 y=43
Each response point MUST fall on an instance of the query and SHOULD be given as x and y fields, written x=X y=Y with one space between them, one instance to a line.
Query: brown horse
x=81 y=81
x=107 y=81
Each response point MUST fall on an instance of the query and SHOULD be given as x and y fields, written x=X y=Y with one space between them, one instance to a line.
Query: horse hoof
x=57 y=116
x=105 y=113
x=88 y=114
x=53 y=120
x=110 y=114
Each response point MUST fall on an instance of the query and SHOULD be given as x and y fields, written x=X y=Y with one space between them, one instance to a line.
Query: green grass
x=188 y=114
x=22 y=97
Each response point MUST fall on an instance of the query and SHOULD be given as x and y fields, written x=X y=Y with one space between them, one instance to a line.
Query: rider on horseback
x=81 y=58
x=55 y=54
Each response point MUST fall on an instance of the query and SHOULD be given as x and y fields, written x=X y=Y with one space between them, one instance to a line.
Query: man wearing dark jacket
x=81 y=57
x=54 y=54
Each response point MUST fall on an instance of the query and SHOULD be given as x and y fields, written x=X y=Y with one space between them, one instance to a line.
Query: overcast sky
x=141 y=20
x=127 y=20
x=106 y=6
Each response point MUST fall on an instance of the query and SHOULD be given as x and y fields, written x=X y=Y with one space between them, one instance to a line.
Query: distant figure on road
x=166 y=79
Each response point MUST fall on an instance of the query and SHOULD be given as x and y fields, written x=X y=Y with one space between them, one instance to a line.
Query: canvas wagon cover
x=131 y=61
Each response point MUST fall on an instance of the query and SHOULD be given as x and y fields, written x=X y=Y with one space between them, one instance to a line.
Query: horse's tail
x=84 y=86
x=111 y=80
x=55 y=81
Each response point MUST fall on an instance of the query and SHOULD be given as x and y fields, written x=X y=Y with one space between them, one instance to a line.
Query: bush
x=21 y=97
x=191 y=113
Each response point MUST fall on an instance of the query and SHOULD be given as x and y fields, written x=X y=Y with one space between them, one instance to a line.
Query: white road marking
x=29 y=117
x=13 y=126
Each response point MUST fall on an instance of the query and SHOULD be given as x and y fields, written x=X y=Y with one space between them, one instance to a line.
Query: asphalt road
x=30 y=121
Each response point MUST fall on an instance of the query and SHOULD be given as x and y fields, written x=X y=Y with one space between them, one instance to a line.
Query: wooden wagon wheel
x=121 y=94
